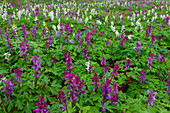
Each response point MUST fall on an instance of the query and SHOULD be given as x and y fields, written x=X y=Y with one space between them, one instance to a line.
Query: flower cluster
x=107 y=93
x=68 y=62
x=36 y=65
x=115 y=70
x=88 y=39
x=142 y=76
x=24 y=31
x=95 y=80
x=85 y=53
x=41 y=106
x=168 y=86
x=104 y=64
x=49 y=41
x=138 y=47
x=63 y=98
x=34 y=32
x=9 y=88
x=150 y=59
x=76 y=86
x=8 y=39
x=151 y=98
x=149 y=31
x=18 y=73
x=161 y=58
x=128 y=62
x=24 y=46
x=43 y=33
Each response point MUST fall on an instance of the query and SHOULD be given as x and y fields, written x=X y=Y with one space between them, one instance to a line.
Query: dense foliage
x=85 y=57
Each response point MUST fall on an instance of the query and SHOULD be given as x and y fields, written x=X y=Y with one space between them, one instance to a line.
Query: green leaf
x=10 y=107
x=19 y=105
x=27 y=109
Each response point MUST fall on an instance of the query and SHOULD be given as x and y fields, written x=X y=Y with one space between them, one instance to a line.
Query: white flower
x=51 y=15
x=72 y=25
x=122 y=28
x=88 y=65
x=117 y=33
x=132 y=24
x=98 y=22
x=86 y=20
x=113 y=28
x=54 y=27
x=7 y=55
x=19 y=13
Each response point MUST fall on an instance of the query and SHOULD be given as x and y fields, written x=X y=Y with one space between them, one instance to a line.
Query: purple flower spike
x=18 y=73
x=138 y=47
x=103 y=108
x=9 y=88
x=168 y=86
x=151 y=97
x=115 y=70
x=24 y=46
x=85 y=53
x=128 y=62
x=43 y=33
x=153 y=38
x=142 y=76
x=95 y=80
x=107 y=42
x=161 y=58
x=34 y=32
x=41 y=106
x=68 y=62
x=36 y=65
x=49 y=41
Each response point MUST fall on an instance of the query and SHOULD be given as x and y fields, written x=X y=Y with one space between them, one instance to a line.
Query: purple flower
x=49 y=20
x=151 y=97
x=71 y=41
x=36 y=65
x=24 y=46
x=43 y=33
x=8 y=39
x=161 y=58
x=160 y=27
x=88 y=39
x=62 y=99
x=103 y=108
x=85 y=53
x=95 y=80
x=9 y=88
x=128 y=63
x=41 y=106
x=115 y=70
x=1 y=76
x=76 y=86
x=149 y=31
x=153 y=38
x=34 y=32
x=159 y=37
x=80 y=42
x=107 y=90
x=54 y=60
x=107 y=42
x=43 y=85
x=49 y=41
x=18 y=73
x=169 y=53
x=168 y=86
x=104 y=60
x=142 y=76
x=51 y=30
x=150 y=46
x=37 y=22
x=14 y=34
x=57 y=34
x=68 y=62
x=138 y=47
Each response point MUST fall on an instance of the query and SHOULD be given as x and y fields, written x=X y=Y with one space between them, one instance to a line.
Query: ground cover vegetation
x=85 y=57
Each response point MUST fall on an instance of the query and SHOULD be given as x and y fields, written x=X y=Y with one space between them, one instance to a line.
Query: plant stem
x=26 y=68
x=66 y=109
x=9 y=66
x=35 y=84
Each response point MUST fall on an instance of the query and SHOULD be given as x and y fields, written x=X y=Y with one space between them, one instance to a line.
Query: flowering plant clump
x=151 y=98
x=8 y=89
x=41 y=106
x=86 y=56
x=36 y=65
